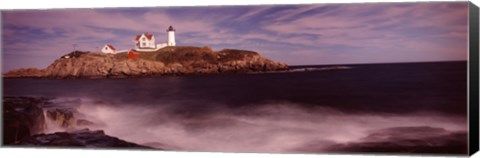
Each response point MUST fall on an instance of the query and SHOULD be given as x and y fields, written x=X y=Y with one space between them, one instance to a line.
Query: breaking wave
x=274 y=127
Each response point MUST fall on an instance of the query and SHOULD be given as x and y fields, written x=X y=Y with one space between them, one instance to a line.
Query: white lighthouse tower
x=171 y=36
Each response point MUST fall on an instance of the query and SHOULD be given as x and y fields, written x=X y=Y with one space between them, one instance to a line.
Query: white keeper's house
x=145 y=41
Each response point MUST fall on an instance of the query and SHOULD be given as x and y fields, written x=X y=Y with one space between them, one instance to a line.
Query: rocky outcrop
x=22 y=117
x=83 y=122
x=419 y=139
x=92 y=65
x=29 y=72
x=166 y=61
x=62 y=118
x=25 y=122
x=80 y=138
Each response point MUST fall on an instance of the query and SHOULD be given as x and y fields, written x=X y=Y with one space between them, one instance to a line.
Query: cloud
x=406 y=31
x=252 y=13
x=294 y=12
x=159 y=19
x=387 y=26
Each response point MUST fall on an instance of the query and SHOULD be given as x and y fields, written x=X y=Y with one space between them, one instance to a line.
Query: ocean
x=399 y=108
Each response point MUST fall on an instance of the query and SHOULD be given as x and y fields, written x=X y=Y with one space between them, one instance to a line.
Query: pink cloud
x=350 y=28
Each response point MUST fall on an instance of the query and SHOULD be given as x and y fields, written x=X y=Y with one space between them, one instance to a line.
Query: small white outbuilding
x=109 y=49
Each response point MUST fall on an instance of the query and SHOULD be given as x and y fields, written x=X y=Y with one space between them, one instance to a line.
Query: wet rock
x=24 y=123
x=82 y=122
x=63 y=118
x=80 y=138
x=22 y=117
x=420 y=139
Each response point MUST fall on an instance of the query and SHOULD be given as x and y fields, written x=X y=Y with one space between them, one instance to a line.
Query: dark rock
x=80 y=138
x=24 y=121
x=22 y=117
x=408 y=140
x=63 y=118
x=82 y=122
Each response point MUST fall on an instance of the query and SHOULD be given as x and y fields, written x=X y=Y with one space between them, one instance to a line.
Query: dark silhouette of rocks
x=25 y=122
x=22 y=117
x=416 y=139
x=84 y=138
x=62 y=118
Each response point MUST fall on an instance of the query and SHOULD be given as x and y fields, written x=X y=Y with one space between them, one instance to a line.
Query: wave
x=274 y=127
x=309 y=69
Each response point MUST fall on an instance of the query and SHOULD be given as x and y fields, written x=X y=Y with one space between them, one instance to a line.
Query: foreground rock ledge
x=81 y=138
x=166 y=61
x=24 y=125
x=22 y=117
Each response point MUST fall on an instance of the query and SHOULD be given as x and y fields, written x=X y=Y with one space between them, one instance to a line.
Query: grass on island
x=183 y=54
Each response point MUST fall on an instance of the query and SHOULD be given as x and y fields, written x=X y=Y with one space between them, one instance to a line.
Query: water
x=342 y=110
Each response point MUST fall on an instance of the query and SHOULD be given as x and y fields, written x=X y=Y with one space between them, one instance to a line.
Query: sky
x=295 y=34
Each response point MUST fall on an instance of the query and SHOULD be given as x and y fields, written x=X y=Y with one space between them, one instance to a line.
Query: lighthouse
x=171 y=36
x=146 y=42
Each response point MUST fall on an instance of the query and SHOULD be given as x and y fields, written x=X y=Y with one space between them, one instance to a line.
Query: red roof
x=111 y=47
x=149 y=36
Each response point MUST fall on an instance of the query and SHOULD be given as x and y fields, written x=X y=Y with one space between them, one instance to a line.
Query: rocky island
x=171 y=60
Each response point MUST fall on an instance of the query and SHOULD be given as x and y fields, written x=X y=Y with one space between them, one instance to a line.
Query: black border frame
x=473 y=66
